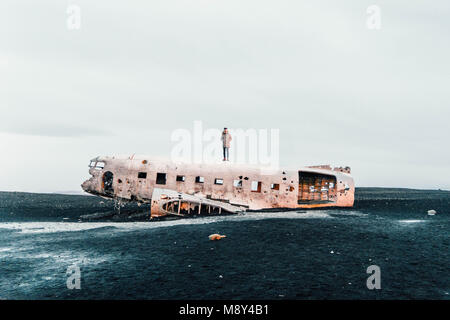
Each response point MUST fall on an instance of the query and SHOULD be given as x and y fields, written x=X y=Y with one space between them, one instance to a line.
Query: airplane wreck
x=186 y=190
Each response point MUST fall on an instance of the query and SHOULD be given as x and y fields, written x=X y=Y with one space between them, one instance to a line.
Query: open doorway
x=316 y=188
x=108 y=178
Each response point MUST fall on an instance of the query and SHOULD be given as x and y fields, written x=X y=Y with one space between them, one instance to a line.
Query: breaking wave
x=411 y=221
x=50 y=227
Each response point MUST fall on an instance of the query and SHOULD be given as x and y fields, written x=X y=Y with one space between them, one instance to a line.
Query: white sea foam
x=411 y=221
x=65 y=257
x=50 y=227
x=354 y=213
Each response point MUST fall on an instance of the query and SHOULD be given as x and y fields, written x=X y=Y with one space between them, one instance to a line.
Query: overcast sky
x=340 y=93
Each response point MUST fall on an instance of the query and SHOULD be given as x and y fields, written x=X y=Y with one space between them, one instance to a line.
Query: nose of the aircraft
x=86 y=186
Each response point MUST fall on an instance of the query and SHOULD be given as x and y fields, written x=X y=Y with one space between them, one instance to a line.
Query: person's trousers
x=226 y=153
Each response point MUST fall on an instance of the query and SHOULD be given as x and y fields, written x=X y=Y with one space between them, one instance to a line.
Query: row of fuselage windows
x=256 y=186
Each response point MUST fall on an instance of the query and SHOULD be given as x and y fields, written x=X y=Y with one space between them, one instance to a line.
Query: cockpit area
x=98 y=165
x=100 y=182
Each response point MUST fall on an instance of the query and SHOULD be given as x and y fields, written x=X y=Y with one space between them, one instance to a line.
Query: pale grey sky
x=376 y=100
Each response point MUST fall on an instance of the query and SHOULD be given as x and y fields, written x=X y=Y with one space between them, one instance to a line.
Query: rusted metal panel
x=170 y=202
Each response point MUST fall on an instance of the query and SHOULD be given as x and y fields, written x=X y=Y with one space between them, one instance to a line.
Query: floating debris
x=431 y=212
x=216 y=236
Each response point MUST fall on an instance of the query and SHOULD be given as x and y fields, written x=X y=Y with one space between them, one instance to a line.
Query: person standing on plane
x=226 y=139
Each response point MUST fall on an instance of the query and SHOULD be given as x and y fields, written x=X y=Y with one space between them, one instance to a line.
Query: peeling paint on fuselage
x=134 y=179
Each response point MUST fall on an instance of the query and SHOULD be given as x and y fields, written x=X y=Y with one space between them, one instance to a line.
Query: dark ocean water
x=316 y=254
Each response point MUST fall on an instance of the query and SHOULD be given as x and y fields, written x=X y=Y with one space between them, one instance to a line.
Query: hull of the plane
x=142 y=179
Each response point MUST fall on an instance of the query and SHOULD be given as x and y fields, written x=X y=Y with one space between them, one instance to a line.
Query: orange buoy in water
x=216 y=236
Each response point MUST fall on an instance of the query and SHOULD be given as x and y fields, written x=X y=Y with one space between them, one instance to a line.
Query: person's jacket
x=226 y=139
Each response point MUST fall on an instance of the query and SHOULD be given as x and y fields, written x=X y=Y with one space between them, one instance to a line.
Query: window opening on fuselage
x=160 y=178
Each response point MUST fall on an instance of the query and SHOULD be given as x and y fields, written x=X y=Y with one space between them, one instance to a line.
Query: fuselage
x=135 y=178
